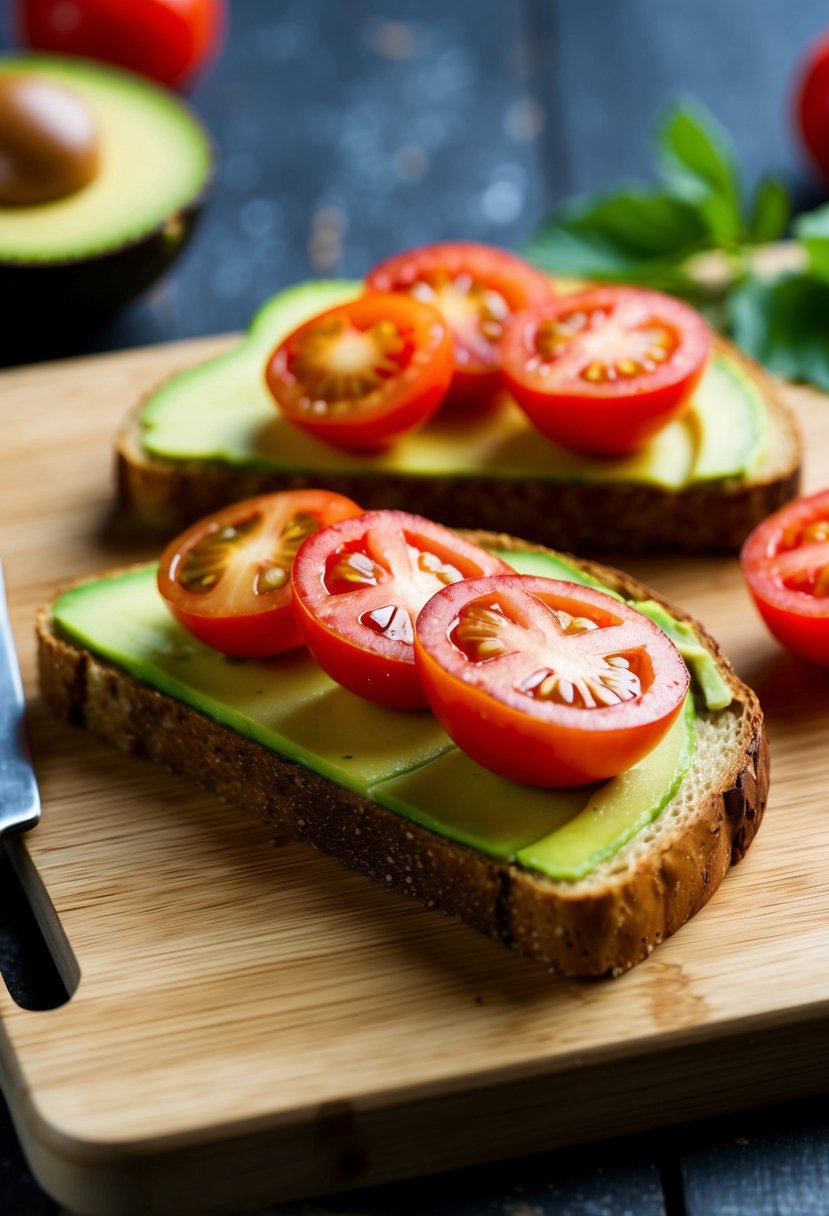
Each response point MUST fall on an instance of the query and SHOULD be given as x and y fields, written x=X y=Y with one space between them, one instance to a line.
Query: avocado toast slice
x=212 y=435
x=585 y=881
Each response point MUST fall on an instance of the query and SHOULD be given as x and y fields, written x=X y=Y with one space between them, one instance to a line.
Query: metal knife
x=19 y=797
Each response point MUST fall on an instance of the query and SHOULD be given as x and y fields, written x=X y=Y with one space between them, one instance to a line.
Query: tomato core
x=605 y=349
x=227 y=579
x=484 y=633
x=246 y=552
x=336 y=366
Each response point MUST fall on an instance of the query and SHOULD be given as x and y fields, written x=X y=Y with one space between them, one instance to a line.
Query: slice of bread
x=603 y=923
x=712 y=516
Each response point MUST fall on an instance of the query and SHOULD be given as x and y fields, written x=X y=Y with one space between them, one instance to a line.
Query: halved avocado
x=81 y=256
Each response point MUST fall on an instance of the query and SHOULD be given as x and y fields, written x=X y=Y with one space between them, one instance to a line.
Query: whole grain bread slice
x=165 y=495
x=604 y=923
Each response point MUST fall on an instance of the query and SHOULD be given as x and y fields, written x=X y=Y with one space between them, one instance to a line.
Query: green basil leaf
x=636 y=235
x=782 y=324
x=812 y=230
x=697 y=162
x=771 y=211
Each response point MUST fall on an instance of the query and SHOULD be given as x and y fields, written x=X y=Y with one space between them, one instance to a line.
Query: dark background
x=349 y=130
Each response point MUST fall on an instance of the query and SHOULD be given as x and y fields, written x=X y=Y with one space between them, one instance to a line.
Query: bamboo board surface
x=251 y=1022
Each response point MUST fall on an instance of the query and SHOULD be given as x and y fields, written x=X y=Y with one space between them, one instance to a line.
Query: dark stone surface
x=773 y=1163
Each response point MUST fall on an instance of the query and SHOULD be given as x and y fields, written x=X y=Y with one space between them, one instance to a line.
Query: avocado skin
x=73 y=297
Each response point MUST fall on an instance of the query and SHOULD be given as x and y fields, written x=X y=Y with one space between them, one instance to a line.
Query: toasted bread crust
x=576 y=929
x=715 y=517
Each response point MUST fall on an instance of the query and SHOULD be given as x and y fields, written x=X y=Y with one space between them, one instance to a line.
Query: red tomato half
x=785 y=562
x=227 y=579
x=603 y=370
x=363 y=374
x=812 y=104
x=477 y=289
x=547 y=682
x=168 y=40
x=358 y=587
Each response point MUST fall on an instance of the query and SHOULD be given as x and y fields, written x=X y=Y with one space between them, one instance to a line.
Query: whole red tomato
x=168 y=40
x=812 y=104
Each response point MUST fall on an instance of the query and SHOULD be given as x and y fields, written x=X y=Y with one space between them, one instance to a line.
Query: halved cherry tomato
x=477 y=289
x=601 y=371
x=363 y=374
x=168 y=40
x=227 y=579
x=785 y=562
x=358 y=587
x=546 y=682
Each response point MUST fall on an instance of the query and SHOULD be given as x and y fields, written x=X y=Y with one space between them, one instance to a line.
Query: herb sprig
x=695 y=234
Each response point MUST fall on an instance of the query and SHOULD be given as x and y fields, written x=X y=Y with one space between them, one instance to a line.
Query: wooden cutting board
x=252 y=1023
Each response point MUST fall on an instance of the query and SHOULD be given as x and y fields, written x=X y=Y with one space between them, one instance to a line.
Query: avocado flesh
x=730 y=421
x=218 y=410
x=155 y=161
x=222 y=411
x=401 y=760
x=608 y=820
x=288 y=704
x=713 y=688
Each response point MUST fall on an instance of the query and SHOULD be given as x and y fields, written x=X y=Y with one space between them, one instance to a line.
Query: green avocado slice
x=618 y=809
x=454 y=796
x=402 y=760
x=729 y=420
x=154 y=160
x=287 y=704
x=222 y=411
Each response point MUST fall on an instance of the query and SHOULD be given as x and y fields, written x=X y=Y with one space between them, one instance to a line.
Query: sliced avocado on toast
x=586 y=881
x=223 y=411
x=402 y=761
x=212 y=434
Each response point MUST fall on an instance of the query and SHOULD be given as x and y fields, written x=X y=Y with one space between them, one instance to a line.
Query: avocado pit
x=48 y=140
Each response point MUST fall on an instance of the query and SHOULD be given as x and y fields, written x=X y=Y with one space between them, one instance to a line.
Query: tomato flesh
x=358 y=587
x=167 y=40
x=227 y=578
x=477 y=288
x=602 y=371
x=362 y=374
x=812 y=105
x=546 y=682
x=785 y=562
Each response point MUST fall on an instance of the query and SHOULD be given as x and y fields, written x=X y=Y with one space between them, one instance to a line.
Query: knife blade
x=19 y=796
